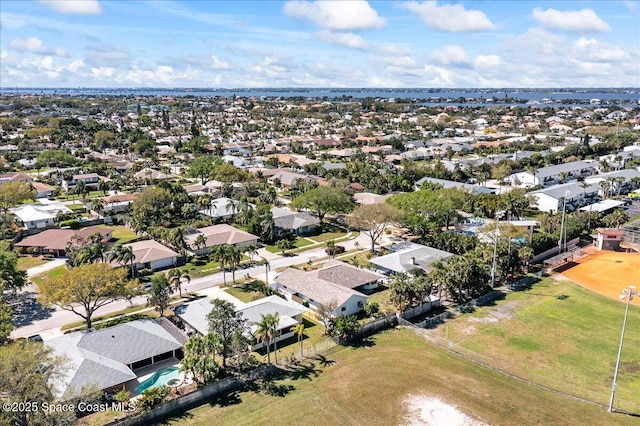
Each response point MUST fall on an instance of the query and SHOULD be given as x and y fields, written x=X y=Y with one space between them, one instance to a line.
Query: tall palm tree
x=122 y=255
x=266 y=332
x=234 y=256
x=219 y=254
x=97 y=205
x=176 y=277
x=200 y=242
x=233 y=206
x=298 y=330
x=267 y=266
x=251 y=250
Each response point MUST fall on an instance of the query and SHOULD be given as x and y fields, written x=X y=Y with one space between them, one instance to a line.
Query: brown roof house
x=335 y=282
x=217 y=235
x=150 y=254
x=54 y=241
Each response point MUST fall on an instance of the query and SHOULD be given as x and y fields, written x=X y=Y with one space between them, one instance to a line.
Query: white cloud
x=571 y=20
x=449 y=55
x=397 y=61
x=482 y=62
x=218 y=64
x=106 y=56
x=453 y=18
x=344 y=39
x=34 y=45
x=346 y=15
x=590 y=49
x=74 y=7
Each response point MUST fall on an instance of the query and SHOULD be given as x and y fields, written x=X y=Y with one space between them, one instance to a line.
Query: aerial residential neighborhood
x=323 y=213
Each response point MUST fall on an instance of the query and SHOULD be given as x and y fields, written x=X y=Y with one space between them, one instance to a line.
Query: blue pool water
x=159 y=378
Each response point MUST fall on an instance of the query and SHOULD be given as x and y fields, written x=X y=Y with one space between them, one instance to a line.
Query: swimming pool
x=160 y=378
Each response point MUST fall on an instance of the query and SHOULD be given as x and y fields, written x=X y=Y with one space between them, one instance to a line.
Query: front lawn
x=48 y=275
x=121 y=233
x=299 y=243
x=244 y=294
x=26 y=262
x=326 y=236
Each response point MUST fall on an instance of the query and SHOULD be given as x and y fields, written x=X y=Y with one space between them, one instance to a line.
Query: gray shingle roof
x=100 y=357
x=408 y=256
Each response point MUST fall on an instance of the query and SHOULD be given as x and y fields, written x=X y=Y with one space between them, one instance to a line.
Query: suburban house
x=551 y=199
x=150 y=254
x=552 y=175
x=366 y=198
x=216 y=235
x=299 y=223
x=407 y=256
x=118 y=203
x=336 y=282
x=91 y=180
x=42 y=189
x=15 y=177
x=194 y=315
x=224 y=208
x=39 y=216
x=472 y=189
x=109 y=358
x=152 y=175
x=54 y=241
x=289 y=180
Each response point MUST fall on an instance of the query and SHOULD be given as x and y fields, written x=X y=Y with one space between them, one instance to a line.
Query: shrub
x=73 y=224
x=152 y=397
x=122 y=395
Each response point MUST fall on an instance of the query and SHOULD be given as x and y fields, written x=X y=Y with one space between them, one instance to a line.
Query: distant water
x=621 y=96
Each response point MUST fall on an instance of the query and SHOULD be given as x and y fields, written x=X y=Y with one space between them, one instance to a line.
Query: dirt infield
x=607 y=273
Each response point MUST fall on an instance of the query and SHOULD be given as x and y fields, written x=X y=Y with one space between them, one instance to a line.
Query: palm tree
x=234 y=257
x=525 y=254
x=97 y=205
x=233 y=206
x=219 y=254
x=267 y=266
x=267 y=331
x=251 y=250
x=176 y=276
x=122 y=255
x=298 y=330
x=200 y=242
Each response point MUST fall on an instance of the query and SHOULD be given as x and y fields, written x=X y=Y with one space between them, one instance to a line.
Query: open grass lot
x=367 y=386
x=49 y=275
x=557 y=334
x=243 y=294
x=121 y=233
x=26 y=262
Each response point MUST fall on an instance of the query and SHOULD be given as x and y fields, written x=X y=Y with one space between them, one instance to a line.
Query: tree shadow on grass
x=367 y=342
x=302 y=371
x=177 y=419
x=269 y=386
x=227 y=400
x=323 y=360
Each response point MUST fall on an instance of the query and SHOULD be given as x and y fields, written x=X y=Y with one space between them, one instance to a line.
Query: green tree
x=200 y=358
x=85 y=289
x=226 y=325
x=28 y=371
x=201 y=168
x=14 y=193
x=402 y=292
x=298 y=330
x=176 y=277
x=123 y=255
x=11 y=278
x=373 y=219
x=324 y=200
x=347 y=326
x=151 y=207
x=159 y=293
x=284 y=245
x=267 y=332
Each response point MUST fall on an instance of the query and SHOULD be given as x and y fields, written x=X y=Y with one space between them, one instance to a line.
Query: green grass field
x=121 y=233
x=557 y=334
x=48 y=275
x=367 y=385
x=26 y=262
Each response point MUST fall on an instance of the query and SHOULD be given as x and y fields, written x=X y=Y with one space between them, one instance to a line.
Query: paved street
x=32 y=319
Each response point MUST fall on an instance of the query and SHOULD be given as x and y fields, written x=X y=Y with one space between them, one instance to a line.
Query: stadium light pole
x=564 y=209
x=629 y=293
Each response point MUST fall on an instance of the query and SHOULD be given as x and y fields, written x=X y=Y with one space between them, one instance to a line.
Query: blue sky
x=230 y=44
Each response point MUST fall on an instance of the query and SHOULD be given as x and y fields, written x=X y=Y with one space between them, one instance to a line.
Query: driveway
x=52 y=264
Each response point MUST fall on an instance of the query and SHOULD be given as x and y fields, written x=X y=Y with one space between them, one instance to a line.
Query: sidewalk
x=52 y=264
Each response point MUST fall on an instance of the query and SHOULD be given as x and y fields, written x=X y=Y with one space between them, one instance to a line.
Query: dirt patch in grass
x=429 y=411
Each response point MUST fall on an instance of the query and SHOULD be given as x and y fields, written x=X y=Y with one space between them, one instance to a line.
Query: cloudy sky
x=230 y=44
